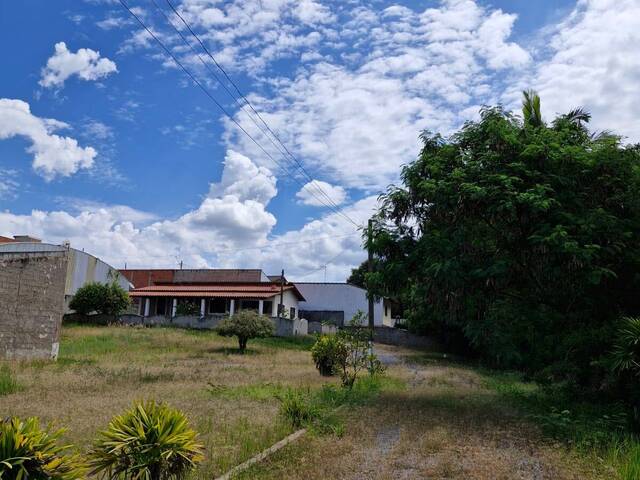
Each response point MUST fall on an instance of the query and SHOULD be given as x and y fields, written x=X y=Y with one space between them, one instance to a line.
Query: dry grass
x=437 y=421
x=444 y=425
x=102 y=370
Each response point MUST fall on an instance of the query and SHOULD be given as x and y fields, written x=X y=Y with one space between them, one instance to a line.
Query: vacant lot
x=228 y=397
x=444 y=424
x=433 y=420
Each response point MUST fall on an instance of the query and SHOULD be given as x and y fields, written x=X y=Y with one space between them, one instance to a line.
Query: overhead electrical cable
x=221 y=107
x=323 y=266
x=248 y=103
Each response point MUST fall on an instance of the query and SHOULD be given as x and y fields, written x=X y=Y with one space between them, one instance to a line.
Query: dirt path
x=444 y=425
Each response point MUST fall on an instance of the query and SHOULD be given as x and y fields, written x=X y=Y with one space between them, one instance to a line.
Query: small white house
x=339 y=302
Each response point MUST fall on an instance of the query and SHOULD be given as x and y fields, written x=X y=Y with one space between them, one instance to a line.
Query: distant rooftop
x=19 y=238
x=148 y=277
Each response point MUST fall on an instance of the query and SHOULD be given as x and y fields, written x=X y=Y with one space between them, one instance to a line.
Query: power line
x=299 y=164
x=324 y=266
x=212 y=98
x=265 y=247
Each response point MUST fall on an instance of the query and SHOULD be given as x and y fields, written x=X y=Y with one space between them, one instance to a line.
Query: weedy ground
x=102 y=370
x=427 y=417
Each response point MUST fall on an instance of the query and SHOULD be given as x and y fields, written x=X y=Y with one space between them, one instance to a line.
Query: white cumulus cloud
x=87 y=64
x=592 y=61
x=314 y=193
x=53 y=155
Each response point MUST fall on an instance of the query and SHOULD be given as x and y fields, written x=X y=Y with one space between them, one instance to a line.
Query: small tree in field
x=245 y=324
x=108 y=299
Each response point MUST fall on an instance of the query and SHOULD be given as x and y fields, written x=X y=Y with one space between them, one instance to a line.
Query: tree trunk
x=242 y=341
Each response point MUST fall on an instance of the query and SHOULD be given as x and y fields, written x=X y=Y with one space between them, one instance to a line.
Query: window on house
x=292 y=312
x=249 y=305
x=218 y=305
x=267 y=307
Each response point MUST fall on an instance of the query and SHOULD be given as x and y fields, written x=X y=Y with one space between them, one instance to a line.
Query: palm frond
x=531 y=108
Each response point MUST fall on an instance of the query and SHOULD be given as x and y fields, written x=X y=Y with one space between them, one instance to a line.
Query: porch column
x=203 y=304
x=174 y=307
x=260 y=306
x=147 y=306
x=232 y=306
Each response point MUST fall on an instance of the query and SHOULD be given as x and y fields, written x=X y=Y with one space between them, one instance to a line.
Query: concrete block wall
x=31 y=303
x=283 y=327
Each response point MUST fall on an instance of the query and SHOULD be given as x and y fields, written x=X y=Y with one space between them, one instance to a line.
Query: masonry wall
x=31 y=303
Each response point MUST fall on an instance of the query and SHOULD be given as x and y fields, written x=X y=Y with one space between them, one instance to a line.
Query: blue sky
x=105 y=142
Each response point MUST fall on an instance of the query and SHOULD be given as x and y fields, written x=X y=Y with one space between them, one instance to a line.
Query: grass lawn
x=227 y=397
x=428 y=418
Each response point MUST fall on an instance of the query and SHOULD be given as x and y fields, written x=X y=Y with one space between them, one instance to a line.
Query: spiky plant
x=30 y=452
x=625 y=355
x=150 y=441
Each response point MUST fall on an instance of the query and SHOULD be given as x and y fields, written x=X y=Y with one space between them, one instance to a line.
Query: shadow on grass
x=289 y=343
x=233 y=351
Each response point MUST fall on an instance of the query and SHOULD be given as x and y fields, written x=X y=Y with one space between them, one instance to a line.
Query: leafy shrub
x=105 y=298
x=8 y=383
x=27 y=451
x=188 y=308
x=357 y=355
x=298 y=408
x=245 y=324
x=150 y=441
x=328 y=353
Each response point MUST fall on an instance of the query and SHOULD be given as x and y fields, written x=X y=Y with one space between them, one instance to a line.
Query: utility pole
x=370 y=269
x=281 y=306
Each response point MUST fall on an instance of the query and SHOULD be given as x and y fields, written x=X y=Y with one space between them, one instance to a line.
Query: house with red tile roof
x=160 y=292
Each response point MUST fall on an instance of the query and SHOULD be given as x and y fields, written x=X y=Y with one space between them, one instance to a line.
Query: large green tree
x=516 y=239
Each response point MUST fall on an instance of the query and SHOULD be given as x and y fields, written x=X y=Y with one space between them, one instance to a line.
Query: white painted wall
x=338 y=297
x=289 y=299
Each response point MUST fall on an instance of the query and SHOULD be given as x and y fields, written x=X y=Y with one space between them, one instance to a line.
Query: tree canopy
x=516 y=239
x=105 y=298
x=245 y=324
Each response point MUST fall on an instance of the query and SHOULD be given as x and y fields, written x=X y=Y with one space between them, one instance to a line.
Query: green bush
x=357 y=355
x=298 y=408
x=328 y=353
x=105 y=298
x=188 y=308
x=245 y=324
x=27 y=451
x=150 y=441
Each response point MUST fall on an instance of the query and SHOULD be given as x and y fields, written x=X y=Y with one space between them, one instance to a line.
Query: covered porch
x=215 y=300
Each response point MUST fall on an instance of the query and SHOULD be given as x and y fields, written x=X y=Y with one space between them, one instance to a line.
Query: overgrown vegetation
x=318 y=409
x=104 y=298
x=188 y=307
x=244 y=325
x=8 y=382
x=592 y=428
x=149 y=441
x=28 y=451
x=326 y=352
x=347 y=353
x=517 y=241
